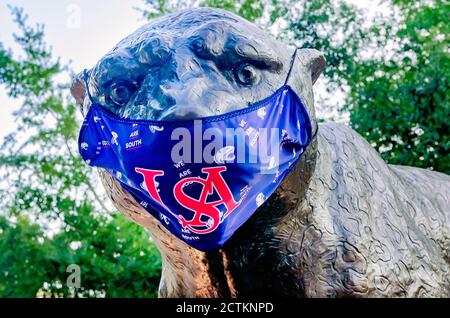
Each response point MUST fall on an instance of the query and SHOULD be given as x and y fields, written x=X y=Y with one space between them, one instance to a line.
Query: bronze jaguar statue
x=343 y=223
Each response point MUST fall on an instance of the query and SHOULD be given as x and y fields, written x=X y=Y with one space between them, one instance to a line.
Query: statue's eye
x=120 y=93
x=246 y=74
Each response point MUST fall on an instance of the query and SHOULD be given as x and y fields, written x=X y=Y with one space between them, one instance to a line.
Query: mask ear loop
x=290 y=67
x=85 y=77
x=285 y=83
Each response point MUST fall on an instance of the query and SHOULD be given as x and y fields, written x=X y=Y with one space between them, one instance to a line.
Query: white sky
x=80 y=31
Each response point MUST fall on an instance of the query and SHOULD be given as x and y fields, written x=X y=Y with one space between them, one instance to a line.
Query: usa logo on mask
x=213 y=183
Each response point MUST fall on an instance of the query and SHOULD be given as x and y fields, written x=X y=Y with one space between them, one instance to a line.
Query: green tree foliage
x=249 y=9
x=399 y=99
x=51 y=213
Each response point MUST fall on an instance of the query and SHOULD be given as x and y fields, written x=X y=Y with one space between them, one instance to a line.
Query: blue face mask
x=201 y=178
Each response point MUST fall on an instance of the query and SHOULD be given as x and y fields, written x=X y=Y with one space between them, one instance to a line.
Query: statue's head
x=196 y=63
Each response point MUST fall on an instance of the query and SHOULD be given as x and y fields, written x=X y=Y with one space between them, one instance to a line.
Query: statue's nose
x=190 y=100
x=186 y=65
x=179 y=112
x=189 y=89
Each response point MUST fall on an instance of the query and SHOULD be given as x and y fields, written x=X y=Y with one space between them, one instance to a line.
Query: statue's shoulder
x=339 y=134
x=384 y=228
x=343 y=148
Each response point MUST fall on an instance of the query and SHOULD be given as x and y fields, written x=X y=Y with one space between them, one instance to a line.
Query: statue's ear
x=78 y=89
x=314 y=60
